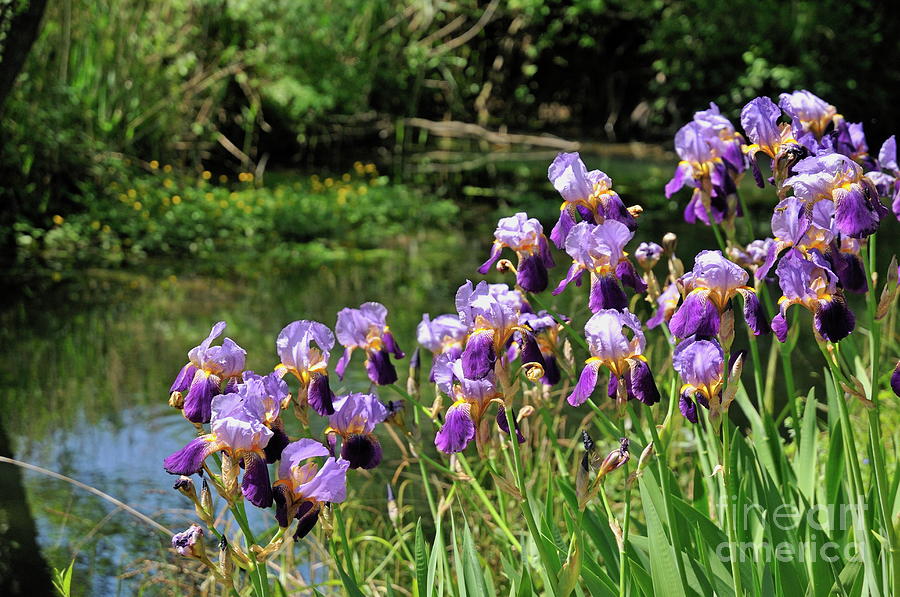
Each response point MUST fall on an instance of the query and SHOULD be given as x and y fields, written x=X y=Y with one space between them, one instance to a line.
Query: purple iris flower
x=722 y=137
x=666 y=303
x=708 y=290
x=588 y=195
x=445 y=334
x=600 y=250
x=809 y=281
x=895 y=379
x=525 y=236
x=546 y=334
x=263 y=397
x=849 y=139
x=795 y=225
x=701 y=364
x=189 y=543
x=492 y=319
x=759 y=119
x=354 y=419
x=208 y=366
x=509 y=297
x=304 y=348
x=471 y=398
x=237 y=431
x=648 y=254
x=886 y=175
x=366 y=328
x=836 y=178
x=302 y=487
x=753 y=255
x=612 y=348
x=810 y=115
x=701 y=169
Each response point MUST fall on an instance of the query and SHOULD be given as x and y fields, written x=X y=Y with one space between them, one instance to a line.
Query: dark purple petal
x=642 y=385
x=753 y=313
x=189 y=459
x=546 y=255
x=496 y=249
x=319 y=395
x=688 y=408
x=850 y=271
x=478 y=357
x=183 y=380
x=696 y=315
x=198 y=402
x=503 y=424
x=612 y=386
x=780 y=327
x=607 y=293
x=853 y=213
x=458 y=430
x=551 y=371
x=833 y=320
x=531 y=353
x=280 y=498
x=757 y=173
x=379 y=367
x=361 y=451
x=625 y=271
x=895 y=379
x=390 y=343
x=586 y=384
x=277 y=443
x=306 y=524
x=255 y=485
x=531 y=273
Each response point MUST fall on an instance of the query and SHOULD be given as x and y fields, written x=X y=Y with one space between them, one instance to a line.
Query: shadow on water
x=23 y=570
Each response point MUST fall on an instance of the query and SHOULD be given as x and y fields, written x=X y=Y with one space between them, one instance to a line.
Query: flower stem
x=546 y=559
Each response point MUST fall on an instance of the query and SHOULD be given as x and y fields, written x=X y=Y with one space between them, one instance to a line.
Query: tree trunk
x=21 y=31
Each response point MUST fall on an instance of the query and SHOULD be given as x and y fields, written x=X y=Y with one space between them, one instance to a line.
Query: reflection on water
x=86 y=365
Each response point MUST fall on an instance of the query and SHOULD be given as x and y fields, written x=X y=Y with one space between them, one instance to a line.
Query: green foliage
x=166 y=214
x=62 y=580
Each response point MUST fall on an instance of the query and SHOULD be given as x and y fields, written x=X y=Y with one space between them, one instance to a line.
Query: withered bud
x=205 y=507
x=505 y=265
x=615 y=459
x=185 y=486
x=726 y=329
x=670 y=242
x=176 y=400
x=533 y=371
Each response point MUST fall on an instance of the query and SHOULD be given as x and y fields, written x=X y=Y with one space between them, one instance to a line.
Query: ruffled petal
x=479 y=356
x=319 y=395
x=834 y=320
x=458 y=429
x=696 y=315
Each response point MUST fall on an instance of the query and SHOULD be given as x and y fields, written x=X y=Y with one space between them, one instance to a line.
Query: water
x=86 y=365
